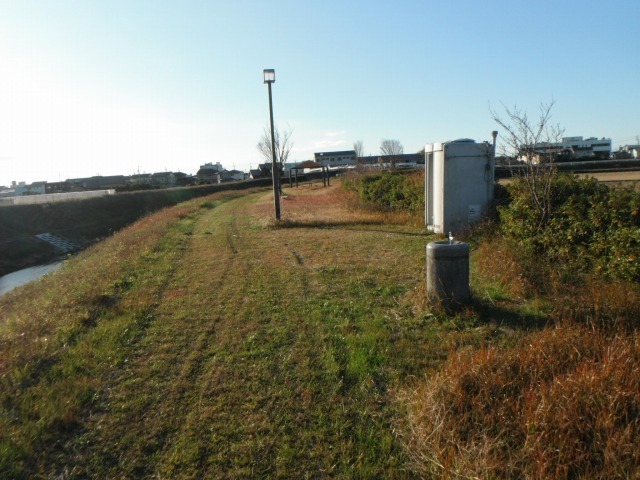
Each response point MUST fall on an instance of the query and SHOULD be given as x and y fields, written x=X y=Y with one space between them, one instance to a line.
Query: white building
x=589 y=147
x=19 y=189
x=335 y=159
x=579 y=147
x=569 y=149
x=632 y=150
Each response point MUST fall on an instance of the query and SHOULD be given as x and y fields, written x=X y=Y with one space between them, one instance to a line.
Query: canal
x=21 y=277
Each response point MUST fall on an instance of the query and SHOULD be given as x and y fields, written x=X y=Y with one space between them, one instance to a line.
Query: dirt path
x=623 y=178
x=627 y=176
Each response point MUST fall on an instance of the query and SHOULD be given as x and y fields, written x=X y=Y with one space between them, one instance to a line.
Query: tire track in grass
x=87 y=364
x=152 y=399
x=234 y=403
x=245 y=371
x=124 y=425
x=223 y=395
x=273 y=401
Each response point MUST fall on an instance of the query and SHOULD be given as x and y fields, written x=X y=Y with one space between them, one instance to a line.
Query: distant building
x=628 y=152
x=140 y=179
x=265 y=171
x=236 y=175
x=57 y=187
x=256 y=173
x=97 y=183
x=589 y=147
x=182 y=179
x=163 y=179
x=336 y=159
x=208 y=172
x=22 y=188
x=576 y=148
x=405 y=160
x=223 y=176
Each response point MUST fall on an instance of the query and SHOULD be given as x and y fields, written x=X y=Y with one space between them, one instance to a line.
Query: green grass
x=214 y=344
x=207 y=341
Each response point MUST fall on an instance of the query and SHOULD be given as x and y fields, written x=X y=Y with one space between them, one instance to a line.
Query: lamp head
x=269 y=75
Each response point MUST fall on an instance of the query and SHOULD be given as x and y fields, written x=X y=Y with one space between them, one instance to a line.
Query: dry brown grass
x=319 y=206
x=564 y=403
x=329 y=206
x=496 y=264
x=610 y=306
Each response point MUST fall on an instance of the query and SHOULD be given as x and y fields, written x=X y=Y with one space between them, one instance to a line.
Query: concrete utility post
x=269 y=78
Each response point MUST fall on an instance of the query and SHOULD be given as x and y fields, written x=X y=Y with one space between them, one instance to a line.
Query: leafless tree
x=359 y=148
x=392 y=149
x=529 y=144
x=283 y=145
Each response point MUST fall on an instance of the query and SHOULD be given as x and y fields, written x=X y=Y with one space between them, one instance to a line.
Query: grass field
x=203 y=341
x=206 y=342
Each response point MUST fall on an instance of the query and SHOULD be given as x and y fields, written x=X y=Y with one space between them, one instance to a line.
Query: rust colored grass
x=610 y=306
x=565 y=403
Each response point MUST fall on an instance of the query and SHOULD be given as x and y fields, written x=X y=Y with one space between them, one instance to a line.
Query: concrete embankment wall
x=53 y=197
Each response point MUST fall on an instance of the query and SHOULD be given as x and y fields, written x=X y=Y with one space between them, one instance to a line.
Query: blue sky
x=116 y=87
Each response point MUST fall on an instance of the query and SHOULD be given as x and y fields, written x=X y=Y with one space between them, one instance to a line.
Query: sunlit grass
x=210 y=341
x=562 y=403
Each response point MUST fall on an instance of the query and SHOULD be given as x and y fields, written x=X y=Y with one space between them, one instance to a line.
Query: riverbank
x=204 y=342
x=83 y=222
x=21 y=277
x=207 y=341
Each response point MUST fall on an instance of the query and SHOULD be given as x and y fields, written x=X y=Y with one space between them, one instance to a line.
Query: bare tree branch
x=283 y=145
x=529 y=145
x=359 y=148
x=392 y=149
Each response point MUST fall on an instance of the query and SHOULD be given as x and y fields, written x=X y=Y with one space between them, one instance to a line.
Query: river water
x=21 y=277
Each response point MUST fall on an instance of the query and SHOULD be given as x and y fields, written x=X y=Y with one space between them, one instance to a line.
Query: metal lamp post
x=270 y=77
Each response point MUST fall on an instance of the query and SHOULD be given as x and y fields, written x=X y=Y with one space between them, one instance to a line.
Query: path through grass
x=222 y=347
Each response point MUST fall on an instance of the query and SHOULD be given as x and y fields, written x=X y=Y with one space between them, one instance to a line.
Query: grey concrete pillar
x=448 y=272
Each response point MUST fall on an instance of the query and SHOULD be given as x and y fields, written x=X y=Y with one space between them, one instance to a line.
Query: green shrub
x=397 y=191
x=590 y=227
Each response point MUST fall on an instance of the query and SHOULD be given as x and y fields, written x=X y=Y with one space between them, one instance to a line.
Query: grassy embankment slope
x=84 y=221
x=203 y=342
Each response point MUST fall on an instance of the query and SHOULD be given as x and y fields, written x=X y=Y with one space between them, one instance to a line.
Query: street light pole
x=269 y=78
